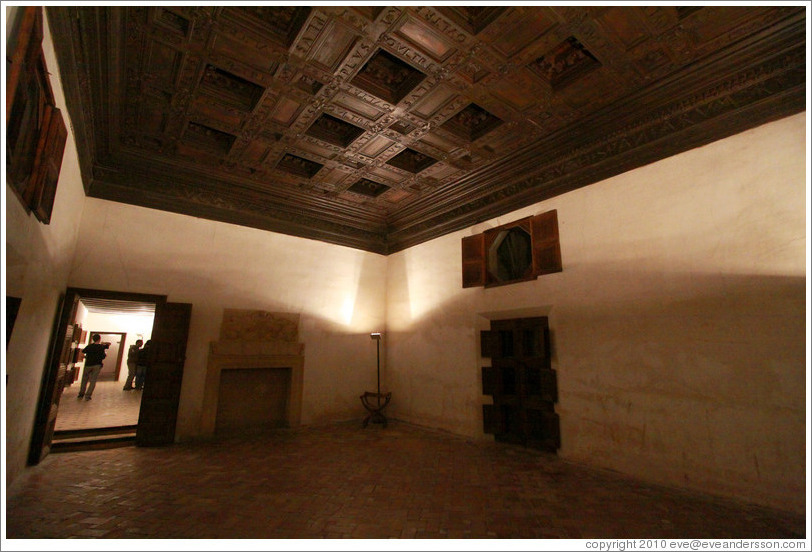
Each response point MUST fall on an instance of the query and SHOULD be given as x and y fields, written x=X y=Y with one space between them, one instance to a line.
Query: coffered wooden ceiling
x=382 y=127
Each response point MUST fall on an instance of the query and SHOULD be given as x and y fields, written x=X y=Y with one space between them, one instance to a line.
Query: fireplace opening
x=252 y=399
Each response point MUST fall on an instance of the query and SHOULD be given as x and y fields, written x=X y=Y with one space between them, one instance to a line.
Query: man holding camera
x=94 y=355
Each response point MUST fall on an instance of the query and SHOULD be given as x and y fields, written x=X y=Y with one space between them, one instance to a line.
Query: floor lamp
x=375 y=408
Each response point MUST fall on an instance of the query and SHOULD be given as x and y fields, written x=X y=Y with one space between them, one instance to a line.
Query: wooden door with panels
x=522 y=383
x=157 y=419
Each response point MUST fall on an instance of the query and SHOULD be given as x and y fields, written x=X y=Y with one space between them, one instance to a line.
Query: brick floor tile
x=341 y=481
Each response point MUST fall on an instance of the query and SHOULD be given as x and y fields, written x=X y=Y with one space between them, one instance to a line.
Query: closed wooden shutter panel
x=473 y=261
x=24 y=46
x=49 y=163
x=24 y=131
x=546 y=247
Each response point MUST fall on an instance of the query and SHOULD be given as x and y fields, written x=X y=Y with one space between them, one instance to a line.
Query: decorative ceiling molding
x=380 y=128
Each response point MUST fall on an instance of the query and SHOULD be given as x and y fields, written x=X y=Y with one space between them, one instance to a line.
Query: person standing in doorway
x=132 y=362
x=141 y=365
x=94 y=356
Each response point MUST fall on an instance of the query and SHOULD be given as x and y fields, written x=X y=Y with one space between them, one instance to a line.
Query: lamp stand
x=375 y=408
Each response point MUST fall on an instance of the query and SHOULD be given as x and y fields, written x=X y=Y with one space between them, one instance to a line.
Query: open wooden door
x=53 y=377
x=161 y=395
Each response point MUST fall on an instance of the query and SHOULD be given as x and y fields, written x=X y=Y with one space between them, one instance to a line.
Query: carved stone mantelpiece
x=254 y=339
x=257 y=325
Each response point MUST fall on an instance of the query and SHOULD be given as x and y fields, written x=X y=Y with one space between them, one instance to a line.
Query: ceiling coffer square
x=471 y=123
x=298 y=166
x=207 y=138
x=412 y=161
x=334 y=131
x=402 y=127
x=281 y=24
x=368 y=188
x=565 y=63
x=472 y=19
x=229 y=89
x=387 y=77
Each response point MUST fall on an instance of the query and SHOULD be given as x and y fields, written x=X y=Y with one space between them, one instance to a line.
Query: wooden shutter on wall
x=545 y=253
x=35 y=130
x=28 y=91
x=26 y=125
x=50 y=150
x=473 y=261
x=24 y=46
x=546 y=248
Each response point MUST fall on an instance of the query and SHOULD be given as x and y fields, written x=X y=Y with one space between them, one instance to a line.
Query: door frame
x=52 y=376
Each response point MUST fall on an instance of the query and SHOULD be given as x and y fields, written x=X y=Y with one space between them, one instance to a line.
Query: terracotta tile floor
x=110 y=406
x=342 y=481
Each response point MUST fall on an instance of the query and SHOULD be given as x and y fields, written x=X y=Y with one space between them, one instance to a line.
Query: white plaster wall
x=339 y=293
x=37 y=262
x=677 y=322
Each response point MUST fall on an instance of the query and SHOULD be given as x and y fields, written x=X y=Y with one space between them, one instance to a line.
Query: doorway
x=111 y=369
x=169 y=331
x=111 y=406
x=521 y=382
x=111 y=418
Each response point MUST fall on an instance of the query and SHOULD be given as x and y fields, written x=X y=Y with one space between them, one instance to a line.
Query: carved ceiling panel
x=382 y=127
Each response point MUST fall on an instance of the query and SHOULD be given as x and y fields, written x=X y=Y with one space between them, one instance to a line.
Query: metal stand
x=375 y=415
x=372 y=401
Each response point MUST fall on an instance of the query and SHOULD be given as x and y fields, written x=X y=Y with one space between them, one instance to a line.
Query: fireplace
x=252 y=399
x=254 y=373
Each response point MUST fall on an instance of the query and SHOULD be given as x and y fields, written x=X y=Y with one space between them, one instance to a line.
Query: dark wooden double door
x=522 y=383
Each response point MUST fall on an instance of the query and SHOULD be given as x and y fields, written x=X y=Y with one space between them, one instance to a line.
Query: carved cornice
x=752 y=97
x=294 y=214
x=195 y=110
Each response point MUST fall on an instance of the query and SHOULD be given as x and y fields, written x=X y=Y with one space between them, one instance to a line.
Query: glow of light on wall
x=136 y=326
x=427 y=280
x=133 y=321
x=337 y=300
x=347 y=309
